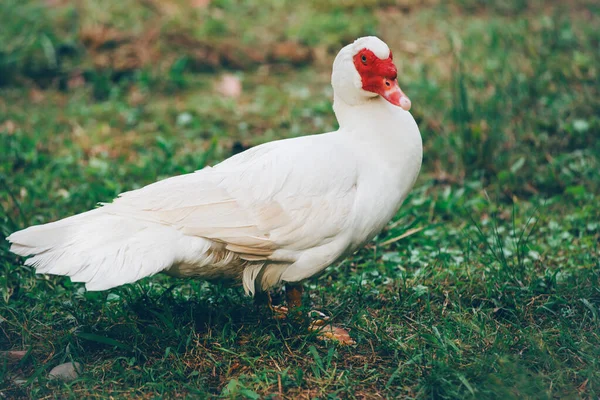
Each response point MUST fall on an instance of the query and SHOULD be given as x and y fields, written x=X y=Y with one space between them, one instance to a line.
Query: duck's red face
x=380 y=76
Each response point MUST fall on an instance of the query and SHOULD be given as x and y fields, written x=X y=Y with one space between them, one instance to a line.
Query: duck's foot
x=317 y=321
x=279 y=311
x=334 y=333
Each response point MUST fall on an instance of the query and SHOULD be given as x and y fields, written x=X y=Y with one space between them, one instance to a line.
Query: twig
x=405 y=234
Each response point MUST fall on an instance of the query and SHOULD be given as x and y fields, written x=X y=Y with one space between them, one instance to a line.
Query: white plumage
x=282 y=211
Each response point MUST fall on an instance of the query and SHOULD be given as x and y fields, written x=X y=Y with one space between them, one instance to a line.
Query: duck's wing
x=288 y=195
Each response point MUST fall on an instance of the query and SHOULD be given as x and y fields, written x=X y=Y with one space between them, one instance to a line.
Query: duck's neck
x=345 y=112
x=377 y=121
x=383 y=134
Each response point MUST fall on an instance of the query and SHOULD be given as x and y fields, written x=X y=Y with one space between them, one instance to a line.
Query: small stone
x=581 y=125
x=66 y=372
x=184 y=119
x=230 y=86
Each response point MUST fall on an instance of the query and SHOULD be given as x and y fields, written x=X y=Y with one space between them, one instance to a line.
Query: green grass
x=497 y=296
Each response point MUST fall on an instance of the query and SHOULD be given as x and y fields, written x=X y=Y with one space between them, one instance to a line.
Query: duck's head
x=365 y=69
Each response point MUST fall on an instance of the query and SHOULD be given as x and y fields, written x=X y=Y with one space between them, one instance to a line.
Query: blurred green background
x=486 y=283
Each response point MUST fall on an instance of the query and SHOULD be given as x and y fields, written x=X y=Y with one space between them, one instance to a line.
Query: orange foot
x=333 y=333
x=319 y=323
x=279 y=312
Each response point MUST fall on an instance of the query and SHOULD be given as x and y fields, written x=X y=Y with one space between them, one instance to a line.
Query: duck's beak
x=390 y=90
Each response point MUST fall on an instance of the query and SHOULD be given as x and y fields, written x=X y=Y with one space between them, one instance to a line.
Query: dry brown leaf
x=12 y=356
x=36 y=96
x=55 y=3
x=200 y=3
x=8 y=127
x=291 y=52
x=135 y=96
x=76 y=80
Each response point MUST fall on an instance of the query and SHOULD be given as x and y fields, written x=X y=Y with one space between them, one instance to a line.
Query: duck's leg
x=262 y=299
x=293 y=294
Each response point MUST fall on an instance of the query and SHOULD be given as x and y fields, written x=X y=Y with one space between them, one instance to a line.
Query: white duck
x=279 y=212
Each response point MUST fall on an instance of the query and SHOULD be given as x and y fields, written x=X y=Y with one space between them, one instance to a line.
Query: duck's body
x=282 y=211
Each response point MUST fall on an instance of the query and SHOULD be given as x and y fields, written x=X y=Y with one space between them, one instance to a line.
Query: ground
x=486 y=283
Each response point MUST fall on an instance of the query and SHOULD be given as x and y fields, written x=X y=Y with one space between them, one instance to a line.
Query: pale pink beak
x=390 y=91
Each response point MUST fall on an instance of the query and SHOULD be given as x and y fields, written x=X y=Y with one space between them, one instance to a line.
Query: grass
x=495 y=294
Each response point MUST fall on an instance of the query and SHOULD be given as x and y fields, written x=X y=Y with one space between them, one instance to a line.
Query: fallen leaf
x=581 y=388
x=55 y=3
x=200 y=3
x=135 y=96
x=36 y=96
x=76 y=80
x=12 y=356
x=8 y=127
x=291 y=52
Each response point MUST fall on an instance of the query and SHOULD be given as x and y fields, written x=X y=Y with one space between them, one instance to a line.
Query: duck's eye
x=364 y=59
